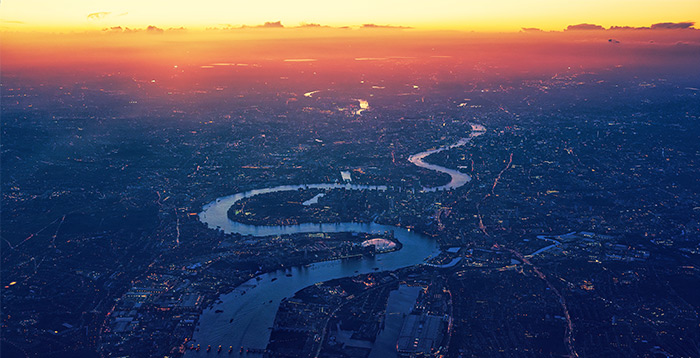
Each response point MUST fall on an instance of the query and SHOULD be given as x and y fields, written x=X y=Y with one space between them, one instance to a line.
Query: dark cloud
x=659 y=26
x=672 y=25
x=98 y=15
x=530 y=29
x=375 y=26
x=584 y=27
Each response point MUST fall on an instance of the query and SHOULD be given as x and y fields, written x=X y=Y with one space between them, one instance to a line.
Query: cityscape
x=333 y=191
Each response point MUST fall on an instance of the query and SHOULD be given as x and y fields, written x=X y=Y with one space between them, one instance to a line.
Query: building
x=421 y=335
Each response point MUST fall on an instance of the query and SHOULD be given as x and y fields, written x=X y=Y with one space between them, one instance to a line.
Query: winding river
x=457 y=178
x=249 y=310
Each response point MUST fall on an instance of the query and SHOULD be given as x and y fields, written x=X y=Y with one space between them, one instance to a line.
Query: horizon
x=159 y=51
x=481 y=16
x=278 y=25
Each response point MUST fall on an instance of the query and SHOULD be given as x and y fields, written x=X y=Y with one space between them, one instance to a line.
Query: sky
x=470 y=15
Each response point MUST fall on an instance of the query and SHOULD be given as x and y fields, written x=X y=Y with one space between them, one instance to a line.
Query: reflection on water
x=364 y=105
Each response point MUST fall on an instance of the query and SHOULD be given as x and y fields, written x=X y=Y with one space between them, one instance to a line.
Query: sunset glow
x=477 y=15
x=155 y=36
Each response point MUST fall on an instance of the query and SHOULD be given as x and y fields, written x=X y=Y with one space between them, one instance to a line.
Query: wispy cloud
x=149 y=30
x=304 y=25
x=584 y=27
x=312 y=25
x=375 y=26
x=98 y=15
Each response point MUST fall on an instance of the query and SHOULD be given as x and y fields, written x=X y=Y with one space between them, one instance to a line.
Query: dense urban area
x=577 y=235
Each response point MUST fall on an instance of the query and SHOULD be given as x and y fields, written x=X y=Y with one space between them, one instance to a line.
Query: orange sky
x=146 y=51
x=41 y=39
x=478 y=15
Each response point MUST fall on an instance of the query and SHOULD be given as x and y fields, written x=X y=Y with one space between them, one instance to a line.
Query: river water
x=249 y=310
x=457 y=178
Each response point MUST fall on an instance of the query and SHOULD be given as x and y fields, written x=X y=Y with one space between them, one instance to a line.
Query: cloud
x=266 y=25
x=150 y=29
x=303 y=25
x=98 y=15
x=530 y=29
x=672 y=25
x=627 y=28
x=272 y=25
x=659 y=26
x=375 y=26
x=154 y=30
x=584 y=27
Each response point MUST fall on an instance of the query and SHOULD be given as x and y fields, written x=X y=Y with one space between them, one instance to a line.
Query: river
x=249 y=310
x=457 y=178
